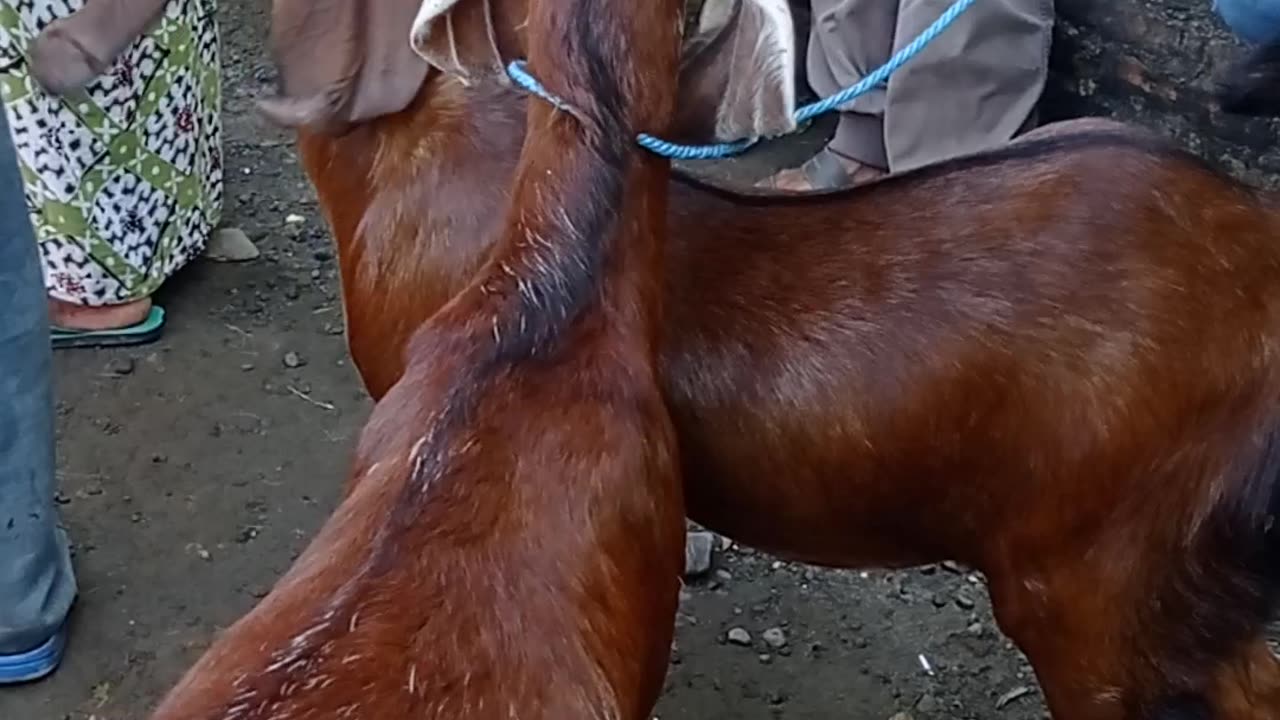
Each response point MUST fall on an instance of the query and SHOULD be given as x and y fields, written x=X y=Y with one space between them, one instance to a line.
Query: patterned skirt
x=124 y=178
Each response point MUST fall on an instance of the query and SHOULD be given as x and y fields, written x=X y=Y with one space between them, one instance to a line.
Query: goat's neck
x=420 y=191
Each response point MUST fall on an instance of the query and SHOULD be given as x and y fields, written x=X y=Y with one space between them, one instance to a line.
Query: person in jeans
x=37 y=584
x=1254 y=21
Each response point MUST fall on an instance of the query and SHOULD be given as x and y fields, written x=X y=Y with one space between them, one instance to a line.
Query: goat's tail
x=1227 y=589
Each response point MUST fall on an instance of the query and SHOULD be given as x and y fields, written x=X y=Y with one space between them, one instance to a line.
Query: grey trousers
x=973 y=87
x=37 y=585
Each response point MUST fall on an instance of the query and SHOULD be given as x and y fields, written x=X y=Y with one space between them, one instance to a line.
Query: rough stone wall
x=1155 y=62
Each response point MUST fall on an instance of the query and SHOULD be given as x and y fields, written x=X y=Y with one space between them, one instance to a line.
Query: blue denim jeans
x=37 y=585
x=1254 y=21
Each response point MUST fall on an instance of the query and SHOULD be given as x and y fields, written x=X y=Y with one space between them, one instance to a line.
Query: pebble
x=697 y=553
x=738 y=636
x=902 y=716
x=775 y=637
x=120 y=366
x=294 y=219
x=231 y=245
x=1014 y=694
x=293 y=360
x=964 y=602
x=927 y=703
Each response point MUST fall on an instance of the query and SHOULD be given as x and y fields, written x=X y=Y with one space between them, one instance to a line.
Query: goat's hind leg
x=1112 y=638
x=1247 y=686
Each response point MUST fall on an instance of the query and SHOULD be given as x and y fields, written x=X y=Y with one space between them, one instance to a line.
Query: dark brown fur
x=1055 y=362
x=510 y=541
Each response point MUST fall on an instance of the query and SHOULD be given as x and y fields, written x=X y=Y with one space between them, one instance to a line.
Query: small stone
x=294 y=219
x=246 y=367
x=120 y=366
x=953 y=567
x=91 y=489
x=927 y=703
x=293 y=360
x=697 y=553
x=775 y=637
x=231 y=245
x=964 y=602
x=901 y=716
x=939 y=600
x=1014 y=694
x=738 y=636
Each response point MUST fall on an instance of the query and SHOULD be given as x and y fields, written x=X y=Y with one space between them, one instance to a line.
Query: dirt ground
x=193 y=471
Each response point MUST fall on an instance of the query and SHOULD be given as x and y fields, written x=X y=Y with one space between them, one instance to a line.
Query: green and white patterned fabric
x=124 y=178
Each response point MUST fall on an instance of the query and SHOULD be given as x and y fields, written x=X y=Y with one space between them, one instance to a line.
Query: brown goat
x=1056 y=362
x=510 y=541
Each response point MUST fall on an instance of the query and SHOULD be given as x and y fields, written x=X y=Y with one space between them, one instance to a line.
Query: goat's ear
x=1252 y=85
x=342 y=61
x=738 y=72
x=458 y=38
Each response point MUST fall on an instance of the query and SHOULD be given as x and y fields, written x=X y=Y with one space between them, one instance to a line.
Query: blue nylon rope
x=676 y=151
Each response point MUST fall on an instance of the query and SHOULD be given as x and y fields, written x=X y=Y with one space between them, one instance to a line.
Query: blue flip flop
x=35 y=664
x=149 y=330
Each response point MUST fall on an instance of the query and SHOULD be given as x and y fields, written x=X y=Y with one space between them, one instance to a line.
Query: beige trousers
x=971 y=88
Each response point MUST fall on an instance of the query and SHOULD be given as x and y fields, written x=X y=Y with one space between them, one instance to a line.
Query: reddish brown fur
x=1055 y=362
x=510 y=542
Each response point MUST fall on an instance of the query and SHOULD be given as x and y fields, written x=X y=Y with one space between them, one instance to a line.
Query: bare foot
x=71 y=316
x=824 y=171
